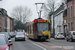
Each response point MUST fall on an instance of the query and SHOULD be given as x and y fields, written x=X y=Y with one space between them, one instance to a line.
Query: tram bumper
x=43 y=34
x=43 y=37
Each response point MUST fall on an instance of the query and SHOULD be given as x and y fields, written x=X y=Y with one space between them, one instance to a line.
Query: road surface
x=24 y=45
x=50 y=44
x=56 y=44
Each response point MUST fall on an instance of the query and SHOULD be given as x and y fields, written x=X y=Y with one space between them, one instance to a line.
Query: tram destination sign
x=42 y=21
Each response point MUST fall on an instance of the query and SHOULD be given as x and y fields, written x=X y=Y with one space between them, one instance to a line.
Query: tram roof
x=36 y=20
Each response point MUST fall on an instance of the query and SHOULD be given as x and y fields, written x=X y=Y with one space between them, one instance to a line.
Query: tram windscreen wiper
x=44 y=29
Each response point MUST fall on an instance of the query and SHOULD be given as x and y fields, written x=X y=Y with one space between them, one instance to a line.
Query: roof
x=50 y=13
x=34 y=21
x=11 y=18
x=3 y=11
x=58 y=10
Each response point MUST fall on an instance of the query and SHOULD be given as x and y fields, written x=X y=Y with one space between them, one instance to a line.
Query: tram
x=39 y=29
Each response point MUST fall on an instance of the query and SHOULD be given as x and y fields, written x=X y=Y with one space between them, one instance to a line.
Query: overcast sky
x=10 y=4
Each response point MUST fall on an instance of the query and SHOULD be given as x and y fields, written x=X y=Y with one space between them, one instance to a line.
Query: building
x=11 y=24
x=6 y=23
x=58 y=19
x=1 y=24
x=3 y=20
x=59 y=15
x=69 y=20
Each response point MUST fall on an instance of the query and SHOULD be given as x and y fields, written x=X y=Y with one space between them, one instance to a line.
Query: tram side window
x=27 y=28
x=35 y=26
x=30 y=29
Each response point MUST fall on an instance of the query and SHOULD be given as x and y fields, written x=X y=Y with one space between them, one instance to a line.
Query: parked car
x=70 y=36
x=4 y=45
x=59 y=35
x=12 y=34
x=20 y=36
x=7 y=34
x=4 y=36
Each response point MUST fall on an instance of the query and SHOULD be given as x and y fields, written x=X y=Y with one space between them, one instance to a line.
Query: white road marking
x=37 y=45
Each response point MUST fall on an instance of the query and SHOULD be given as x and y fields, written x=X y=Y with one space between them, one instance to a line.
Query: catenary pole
x=53 y=23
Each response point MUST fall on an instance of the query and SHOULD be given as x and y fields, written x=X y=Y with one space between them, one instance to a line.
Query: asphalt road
x=56 y=44
x=24 y=45
x=50 y=44
x=62 y=42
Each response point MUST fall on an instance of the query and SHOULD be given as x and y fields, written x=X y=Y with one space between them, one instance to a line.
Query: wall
x=11 y=24
x=59 y=23
x=1 y=23
x=8 y=24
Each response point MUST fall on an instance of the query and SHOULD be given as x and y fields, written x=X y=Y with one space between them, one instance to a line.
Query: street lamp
x=39 y=10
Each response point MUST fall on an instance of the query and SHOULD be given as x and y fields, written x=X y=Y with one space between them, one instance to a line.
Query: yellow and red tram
x=39 y=29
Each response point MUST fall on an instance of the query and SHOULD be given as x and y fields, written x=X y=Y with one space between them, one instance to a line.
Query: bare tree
x=48 y=7
x=21 y=13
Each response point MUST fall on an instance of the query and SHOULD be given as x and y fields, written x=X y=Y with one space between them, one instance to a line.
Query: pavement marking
x=38 y=45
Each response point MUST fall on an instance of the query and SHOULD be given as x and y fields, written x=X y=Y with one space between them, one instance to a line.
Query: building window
x=71 y=11
x=69 y=26
x=65 y=13
x=68 y=12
